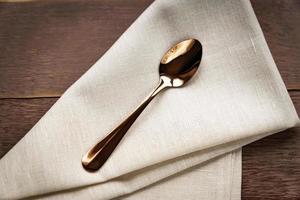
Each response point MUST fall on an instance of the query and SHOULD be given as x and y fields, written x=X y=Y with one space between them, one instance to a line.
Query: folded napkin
x=188 y=134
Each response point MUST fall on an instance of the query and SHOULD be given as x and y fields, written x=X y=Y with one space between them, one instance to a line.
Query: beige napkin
x=236 y=97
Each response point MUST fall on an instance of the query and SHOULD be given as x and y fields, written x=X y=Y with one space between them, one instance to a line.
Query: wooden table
x=46 y=45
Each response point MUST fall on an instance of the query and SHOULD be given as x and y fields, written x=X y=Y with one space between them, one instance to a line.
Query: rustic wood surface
x=46 y=45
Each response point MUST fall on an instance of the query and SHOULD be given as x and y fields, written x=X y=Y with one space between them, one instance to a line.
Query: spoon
x=176 y=67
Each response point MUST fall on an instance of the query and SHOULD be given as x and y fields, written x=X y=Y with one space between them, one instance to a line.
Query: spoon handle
x=99 y=153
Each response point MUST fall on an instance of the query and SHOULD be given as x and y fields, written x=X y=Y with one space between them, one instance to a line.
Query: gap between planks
x=58 y=96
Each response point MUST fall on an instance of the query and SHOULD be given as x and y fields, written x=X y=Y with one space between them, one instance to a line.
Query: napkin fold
x=236 y=97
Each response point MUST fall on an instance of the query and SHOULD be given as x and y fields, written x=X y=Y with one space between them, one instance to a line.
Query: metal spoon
x=176 y=67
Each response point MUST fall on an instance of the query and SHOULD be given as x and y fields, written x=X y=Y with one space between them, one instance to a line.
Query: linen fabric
x=184 y=138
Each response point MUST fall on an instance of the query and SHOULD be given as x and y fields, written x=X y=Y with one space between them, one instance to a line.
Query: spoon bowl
x=181 y=62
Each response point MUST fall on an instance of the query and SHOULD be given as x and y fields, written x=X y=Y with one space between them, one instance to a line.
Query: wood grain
x=271 y=167
x=46 y=45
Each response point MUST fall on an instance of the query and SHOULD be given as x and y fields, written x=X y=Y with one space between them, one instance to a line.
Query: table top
x=46 y=45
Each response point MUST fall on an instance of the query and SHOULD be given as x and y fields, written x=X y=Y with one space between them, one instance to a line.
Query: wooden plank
x=270 y=166
x=46 y=45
